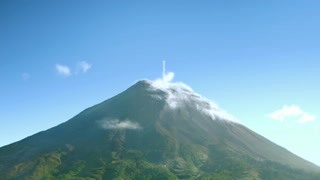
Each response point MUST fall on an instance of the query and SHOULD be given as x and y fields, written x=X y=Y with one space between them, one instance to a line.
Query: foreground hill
x=153 y=130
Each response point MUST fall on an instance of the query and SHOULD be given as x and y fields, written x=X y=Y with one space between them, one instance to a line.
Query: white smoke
x=117 y=124
x=168 y=77
x=178 y=94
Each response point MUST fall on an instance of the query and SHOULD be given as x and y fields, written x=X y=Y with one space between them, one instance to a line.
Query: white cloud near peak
x=179 y=94
x=84 y=66
x=63 y=70
x=292 y=112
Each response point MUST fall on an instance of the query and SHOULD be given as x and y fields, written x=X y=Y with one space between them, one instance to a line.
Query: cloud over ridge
x=117 y=124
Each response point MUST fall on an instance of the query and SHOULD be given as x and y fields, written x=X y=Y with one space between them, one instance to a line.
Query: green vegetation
x=132 y=165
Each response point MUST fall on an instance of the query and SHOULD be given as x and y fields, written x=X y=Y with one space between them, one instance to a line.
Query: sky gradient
x=259 y=60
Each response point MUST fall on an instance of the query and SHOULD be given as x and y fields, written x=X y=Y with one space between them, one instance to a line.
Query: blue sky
x=259 y=60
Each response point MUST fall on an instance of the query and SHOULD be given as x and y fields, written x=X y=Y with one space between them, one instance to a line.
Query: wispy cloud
x=292 y=112
x=81 y=67
x=307 y=118
x=63 y=70
x=25 y=76
x=117 y=124
x=84 y=66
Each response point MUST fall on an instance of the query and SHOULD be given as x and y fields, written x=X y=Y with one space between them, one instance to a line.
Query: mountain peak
x=155 y=129
x=178 y=95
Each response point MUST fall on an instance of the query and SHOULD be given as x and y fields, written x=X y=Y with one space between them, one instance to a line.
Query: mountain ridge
x=139 y=127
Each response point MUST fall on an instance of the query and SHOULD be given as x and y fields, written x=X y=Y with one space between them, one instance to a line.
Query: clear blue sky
x=251 y=57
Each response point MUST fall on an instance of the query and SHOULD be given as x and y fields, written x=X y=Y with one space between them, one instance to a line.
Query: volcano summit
x=153 y=130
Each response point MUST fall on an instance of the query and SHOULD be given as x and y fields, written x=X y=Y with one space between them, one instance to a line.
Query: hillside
x=153 y=130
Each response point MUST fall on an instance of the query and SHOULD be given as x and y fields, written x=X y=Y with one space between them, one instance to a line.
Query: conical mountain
x=153 y=130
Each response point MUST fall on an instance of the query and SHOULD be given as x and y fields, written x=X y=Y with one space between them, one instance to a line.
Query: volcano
x=153 y=130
